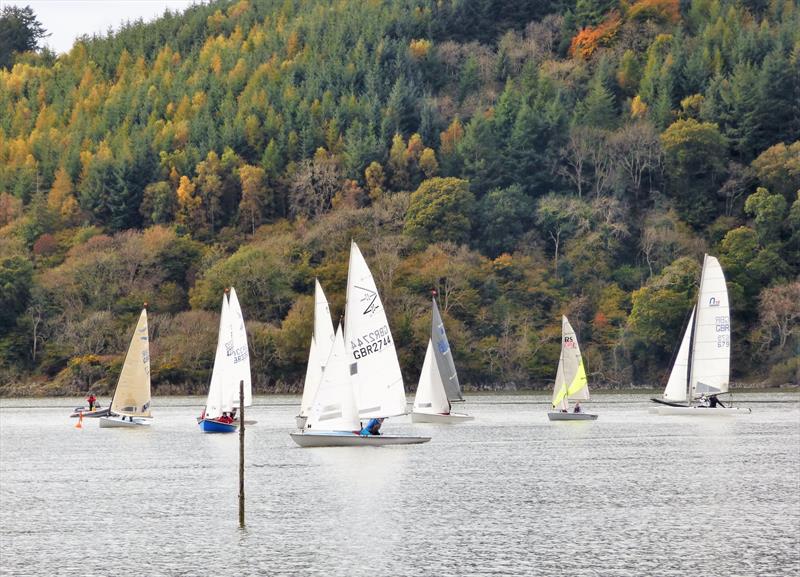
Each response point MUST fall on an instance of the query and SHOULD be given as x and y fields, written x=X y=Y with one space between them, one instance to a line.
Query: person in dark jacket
x=714 y=402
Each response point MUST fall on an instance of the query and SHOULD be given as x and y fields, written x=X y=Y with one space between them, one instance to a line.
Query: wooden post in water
x=241 y=454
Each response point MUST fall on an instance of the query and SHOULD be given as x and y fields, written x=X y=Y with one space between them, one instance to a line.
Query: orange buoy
x=79 y=425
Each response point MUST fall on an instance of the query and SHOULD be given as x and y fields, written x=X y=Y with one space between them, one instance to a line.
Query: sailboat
x=132 y=394
x=362 y=378
x=231 y=365
x=571 y=383
x=438 y=385
x=318 y=353
x=702 y=367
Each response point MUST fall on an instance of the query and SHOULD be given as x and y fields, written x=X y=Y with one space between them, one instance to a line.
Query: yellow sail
x=132 y=395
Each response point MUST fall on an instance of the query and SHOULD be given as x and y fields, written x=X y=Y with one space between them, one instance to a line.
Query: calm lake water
x=631 y=494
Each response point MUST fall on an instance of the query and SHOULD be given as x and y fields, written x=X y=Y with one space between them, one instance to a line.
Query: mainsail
x=334 y=407
x=239 y=353
x=676 y=390
x=444 y=357
x=571 y=383
x=132 y=395
x=318 y=353
x=220 y=397
x=373 y=365
x=711 y=346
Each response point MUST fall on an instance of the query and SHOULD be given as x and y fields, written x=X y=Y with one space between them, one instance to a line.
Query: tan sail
x=132 y=395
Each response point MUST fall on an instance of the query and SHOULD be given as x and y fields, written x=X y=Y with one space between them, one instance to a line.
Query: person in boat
x=373 y=427
x=225 y=418
x=577 y=408
x=714 y=402
x=91 y=399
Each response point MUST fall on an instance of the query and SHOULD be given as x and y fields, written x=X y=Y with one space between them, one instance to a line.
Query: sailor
x=373 y=427
x=713 y=402
x=577 y=408
x=91 y=399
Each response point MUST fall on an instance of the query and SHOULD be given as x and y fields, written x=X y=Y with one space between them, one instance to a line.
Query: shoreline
x=40 y=391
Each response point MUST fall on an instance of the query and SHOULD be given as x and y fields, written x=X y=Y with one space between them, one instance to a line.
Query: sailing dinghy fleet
x=361 y=379
x=353 y=374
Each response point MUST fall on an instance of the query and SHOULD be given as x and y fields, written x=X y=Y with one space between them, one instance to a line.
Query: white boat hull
x=699 y=411
x=449 y=418
x=300 y=421
x=346 y=439
x=116 y=422
x=557 y=416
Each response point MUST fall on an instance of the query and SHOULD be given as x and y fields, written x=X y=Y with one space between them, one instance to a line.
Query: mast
x=691 y=338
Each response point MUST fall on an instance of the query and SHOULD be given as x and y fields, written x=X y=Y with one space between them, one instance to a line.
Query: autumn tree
x=440 y=209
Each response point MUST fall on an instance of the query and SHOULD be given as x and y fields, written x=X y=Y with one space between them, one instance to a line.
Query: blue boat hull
x=211 y=426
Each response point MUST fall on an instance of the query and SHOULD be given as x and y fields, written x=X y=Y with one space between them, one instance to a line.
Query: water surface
x=628 y=495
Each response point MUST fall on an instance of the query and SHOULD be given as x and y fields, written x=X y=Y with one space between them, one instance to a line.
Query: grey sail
x=444 y=357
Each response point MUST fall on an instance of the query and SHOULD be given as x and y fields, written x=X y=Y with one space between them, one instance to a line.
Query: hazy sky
x=68 y=19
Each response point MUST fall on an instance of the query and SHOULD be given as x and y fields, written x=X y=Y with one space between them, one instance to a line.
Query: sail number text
x=371 y=342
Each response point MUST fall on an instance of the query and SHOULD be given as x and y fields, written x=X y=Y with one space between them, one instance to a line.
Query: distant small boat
x=231 y=366
x=318 y=353
x=438 y=385
x=362 y=378
x=571 y=382
x=702 y=368
x=130 y=406
x=97 y=411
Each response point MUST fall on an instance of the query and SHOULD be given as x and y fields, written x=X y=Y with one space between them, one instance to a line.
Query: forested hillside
x=523 y=158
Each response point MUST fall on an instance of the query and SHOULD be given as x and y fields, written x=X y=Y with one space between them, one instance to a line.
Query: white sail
x=334 y=406
x=239 y=353
x=220 y=397
x=431 y=396
x=677 y=385
x=444 y=357
x=571 y=382
x=132 y=395
x=711 y=350
x=318 y=353
x=374 y=368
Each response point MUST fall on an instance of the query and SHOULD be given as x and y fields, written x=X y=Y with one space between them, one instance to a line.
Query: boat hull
x=212 y=426
x=300 y=421
x=87 y=414
x=553 y=416
x=347 y=439
x=449 y=418
x=699 y=411
x=116 y=422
